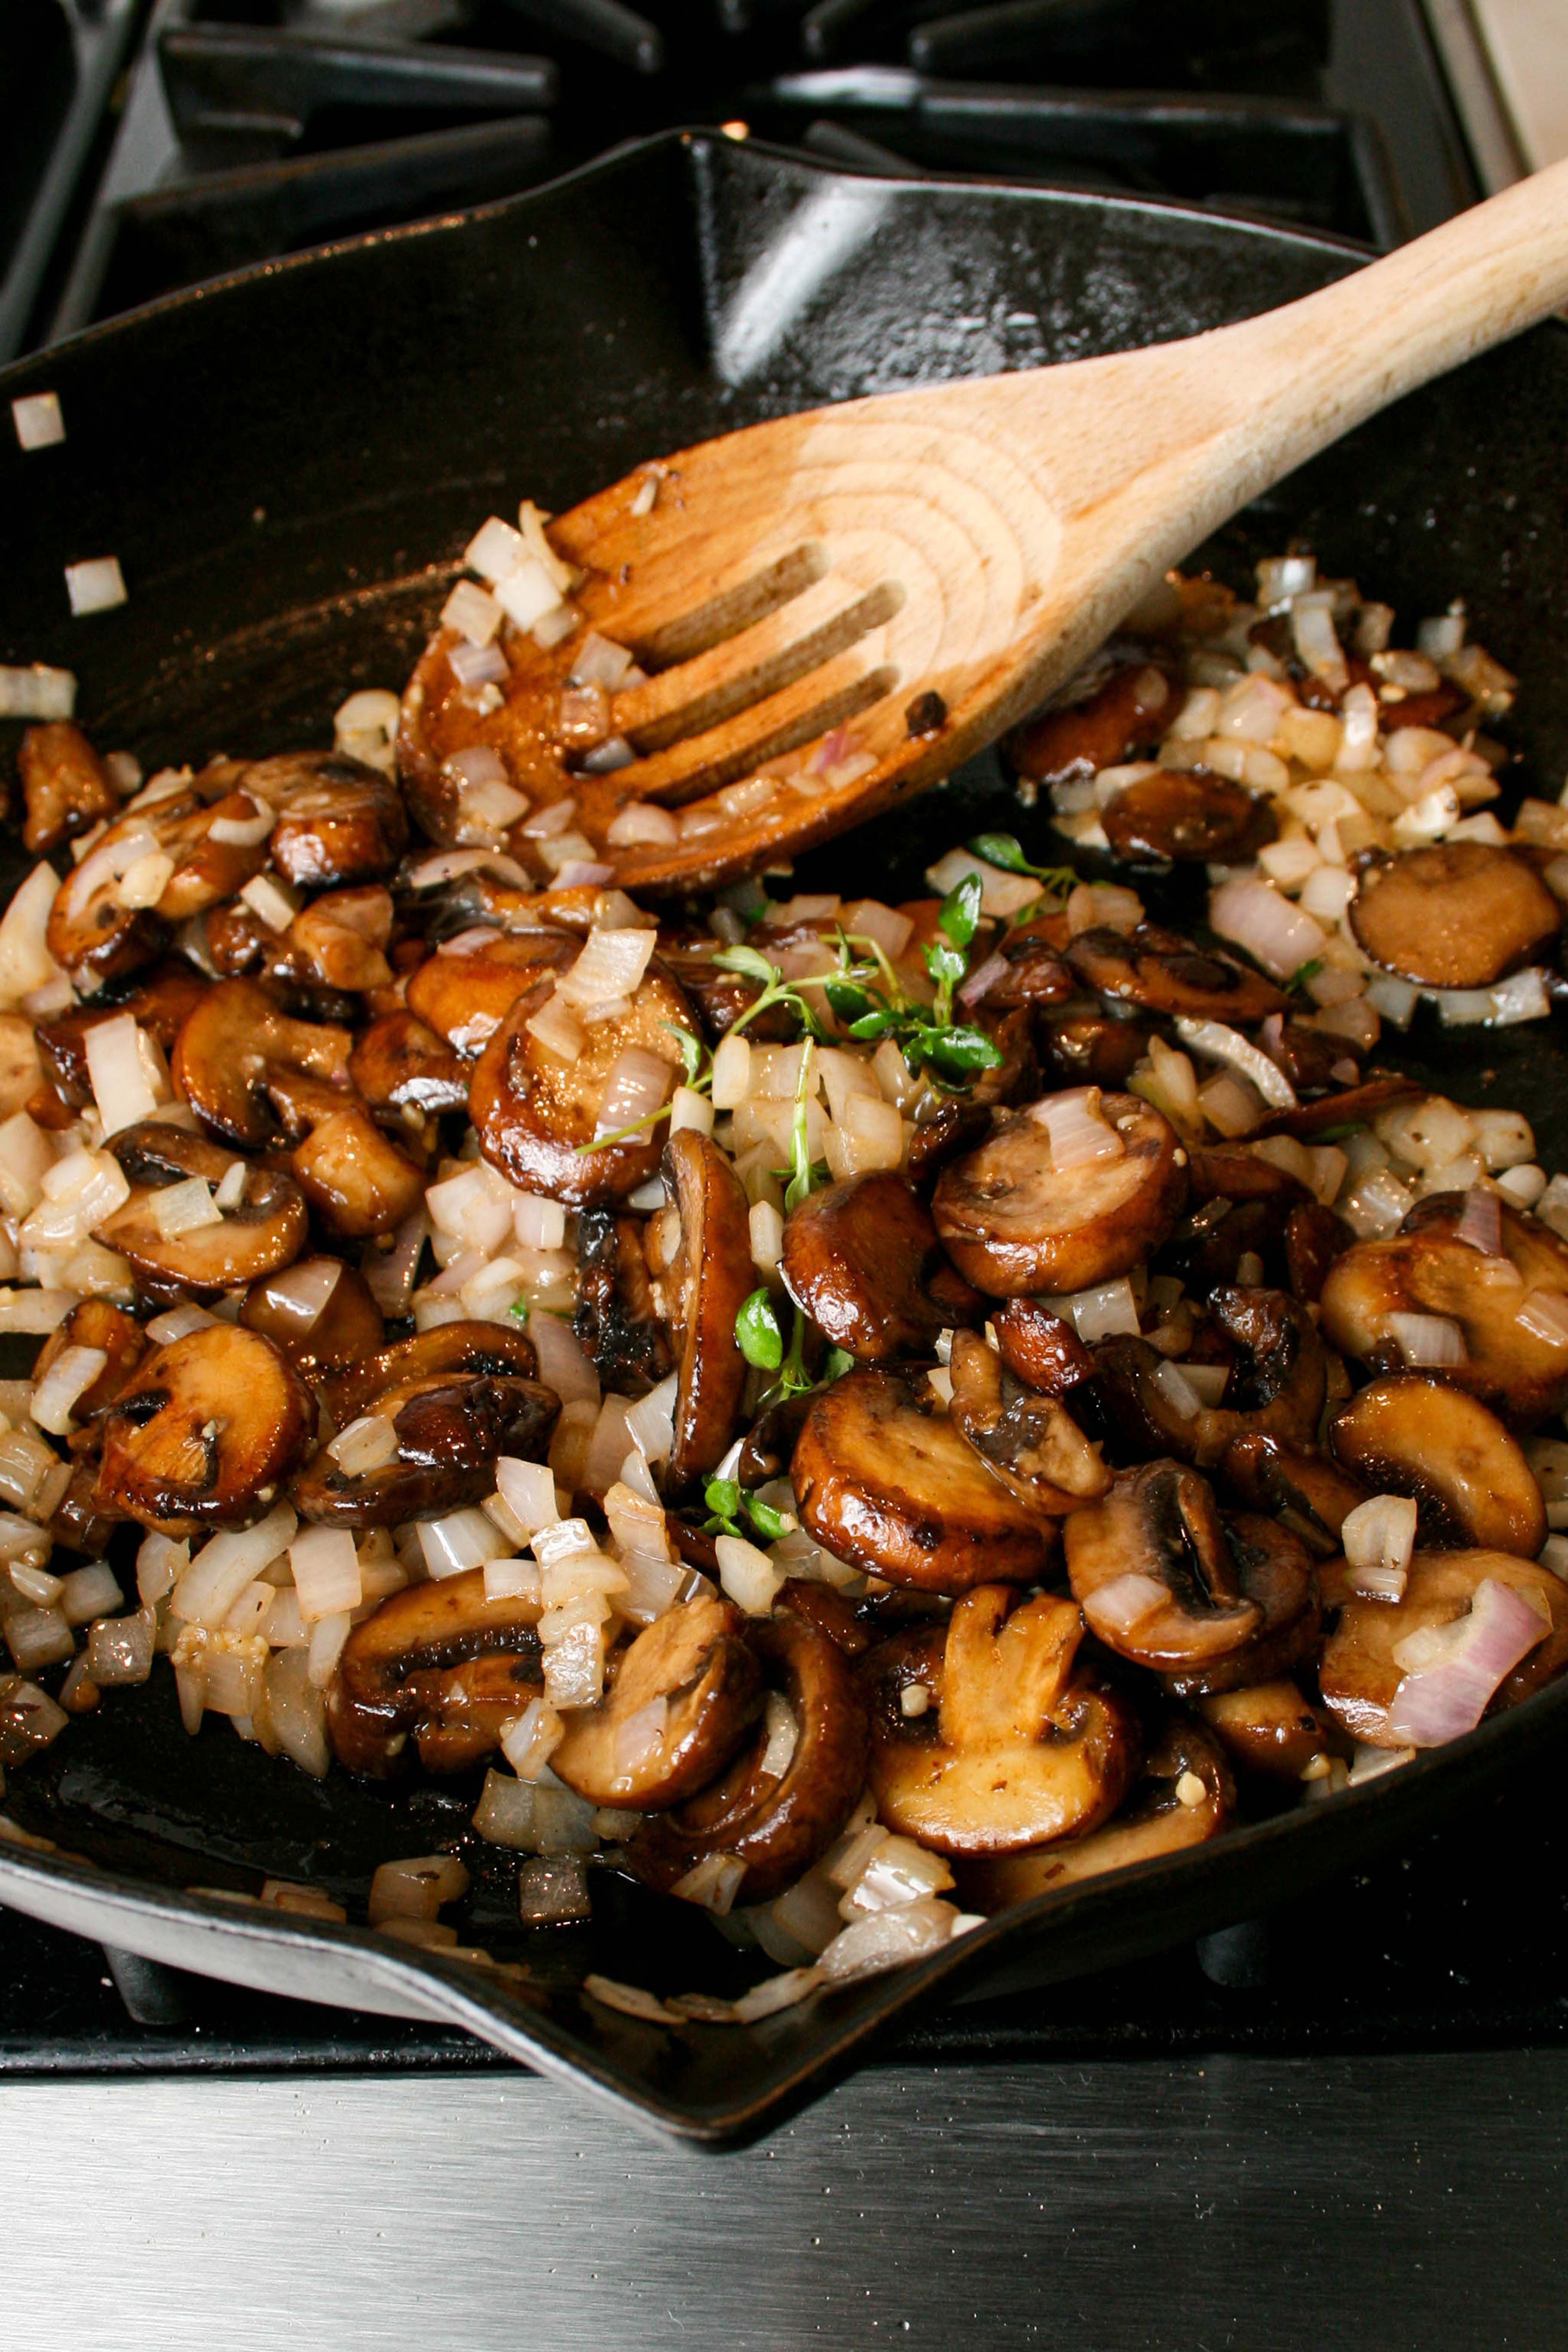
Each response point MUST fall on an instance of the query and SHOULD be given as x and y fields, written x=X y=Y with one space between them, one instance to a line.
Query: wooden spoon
x=920 y=568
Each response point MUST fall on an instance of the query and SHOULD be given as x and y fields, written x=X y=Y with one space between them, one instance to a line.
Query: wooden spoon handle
x=1311 y=370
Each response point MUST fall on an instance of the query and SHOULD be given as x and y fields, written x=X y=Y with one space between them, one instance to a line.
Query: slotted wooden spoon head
x=832 y=610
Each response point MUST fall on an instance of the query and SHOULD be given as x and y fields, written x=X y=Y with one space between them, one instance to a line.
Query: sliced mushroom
x=320 y=1312
x=237 y=1037
x=701 y=1289
x=1181 y=1797
x=1309 y=1496
x=492 y=1349
x=885 y=1479
x=863 y=1260
x=466 y=998
x=161 y=1001
x=1473 y=1487
x=67 y=786
x=1267 y=1727
x=449 y=1431
x=1092 y=1049
x=1314 y=1238
x=205 y=1432
x=1031 y=1441
x=1349 y=1107
x=93 y=928
x=778 y=1826
x=438 y=1662
x=352 y=1175
x=1043 y=1349
x=1122 y=715
x=1029 y=971
x=78 y=1524
x=1014 y=1224
x=95 y=1323
x=1165 y=1583
x=1013 y=1747
x=399 y=1064
x=340 y=939
x=339 y=822
x=1457 y=914
x=1515 y=1361
x=264 y=1229
x=1359 y=1676
x=955 y=1126
x=1278 y=1380
x=685 y=1694
x=1187 y=817
x=1167 y=973
x=537 y=1116
x=615 y=1317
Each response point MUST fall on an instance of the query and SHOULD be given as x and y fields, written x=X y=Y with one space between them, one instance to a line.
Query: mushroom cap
x=1187 y=817
x=497 y=1349
x=205 y=1432
x=1454 y=913
x=884 y=1478
x=1016 y=1748
x=1311 y=1496
x=466 y=998
x=1032 y=1443
x=399 y=1064
x=1013 y=1223
x=160 y=1000
x=697 y=1659
x=451 y=1430
x=409 y=1667
x=778 y=1827
x=862 y=1259
x=1425 y=1269
x=238 y=1036
x=707 y=1282
x=340 y=823
x=1405 y=1434
x=1267 y=1727
x=1358 y=1675
x=615 y=1317
x=1164 y=973
x=1153 y=1822
x=536 y=1115
x=348 y=1327
x=267 y=1230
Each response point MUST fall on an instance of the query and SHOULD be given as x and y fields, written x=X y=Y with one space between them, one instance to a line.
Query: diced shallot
x=1123 y=1602
x=1378 y=1537
x=1429 y=1339
x=1079 y=1134
x=1441 y=1701
x=638 y=1083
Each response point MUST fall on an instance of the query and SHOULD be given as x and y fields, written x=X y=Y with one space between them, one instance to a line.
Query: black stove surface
x=255 y=128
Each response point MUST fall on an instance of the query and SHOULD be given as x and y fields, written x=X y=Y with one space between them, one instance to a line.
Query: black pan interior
x=288 y=465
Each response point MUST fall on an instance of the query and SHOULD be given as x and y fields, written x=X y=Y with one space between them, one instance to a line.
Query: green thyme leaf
x=958 y=1053
x=1305 y=972
x=836 y=1363
x=946 y=965
x=749 y=961
x=769 y=1524
x=757 y=1333
x=959 y=913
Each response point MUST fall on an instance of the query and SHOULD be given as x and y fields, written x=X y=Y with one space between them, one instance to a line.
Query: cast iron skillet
x=287 y=465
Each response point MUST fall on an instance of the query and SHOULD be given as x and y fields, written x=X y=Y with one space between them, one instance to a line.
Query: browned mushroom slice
x=410 y=1669
x=104 y=919
x=701 y=1288
x=1193 y=815
x=1011 y=1747
x=1183 y=1796
x=1314 y=1238
x=78 y=1524
x=1278 y=1380
x=1352 y=1106
x=616 y=1318
x=885 y=1479
x=955 y=1126
x=685 y=1694
x=320 y=1312
x=538 y=1115
x=399 y=1064
x=862 y=1258
x=1120 y=718
x=352 y=1175
x=1473 y=1487
x=205 y=1432
x=161 y=1001
x=1014 y=1221
x=769 y=1445
x=339 y=822
x=264 y=1229
x=1164 y=1583
x=1165 y=974
x=96 y=1323
x=1309 y=1496
x=1457 y=914
x=1511 y=1310
x=238 y=1036
x=446 y=1433
x=1092 y=1049
x=340 y=939
x=466 y=998
x=832 y=1612
x=1043 y=1349
x=451 y=1348
x=1360 y=1675
x=778 y=1825
x=1028 y=972
x=1031 y=1441
x=1267 y=1727
x=67 y=786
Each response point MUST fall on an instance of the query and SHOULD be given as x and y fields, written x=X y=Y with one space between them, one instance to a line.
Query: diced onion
x=1441 y=1701
x=1217 y=1043
x=1256 y=917
x=1123 y=1602
x=1429 y=1339
x=1105 y=1312
x=639 y=1082
x=1544 y=1315
x=1379 y=1536
x=228 y=1562
x=68 y=1379
x=1078 y=1130
x=611 y=965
